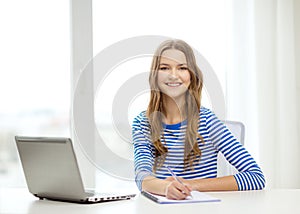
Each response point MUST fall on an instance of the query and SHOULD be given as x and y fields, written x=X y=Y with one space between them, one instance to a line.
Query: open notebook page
x=197 y=197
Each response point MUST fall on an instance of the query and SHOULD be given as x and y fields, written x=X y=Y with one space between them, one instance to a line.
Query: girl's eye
x=183 y=68
x=163 y=68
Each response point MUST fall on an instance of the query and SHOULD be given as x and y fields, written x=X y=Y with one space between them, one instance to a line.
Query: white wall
x=297 y=48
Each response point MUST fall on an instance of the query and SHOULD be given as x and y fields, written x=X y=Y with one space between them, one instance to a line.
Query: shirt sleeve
x=250 y=176
x=143 y=156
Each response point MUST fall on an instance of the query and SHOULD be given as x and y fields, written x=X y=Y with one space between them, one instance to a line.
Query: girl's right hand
x=176 y=190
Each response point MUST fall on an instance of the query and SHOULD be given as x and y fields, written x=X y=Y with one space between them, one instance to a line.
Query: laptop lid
x=50 y=167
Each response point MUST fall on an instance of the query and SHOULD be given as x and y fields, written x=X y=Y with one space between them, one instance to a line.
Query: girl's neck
x=174 y=110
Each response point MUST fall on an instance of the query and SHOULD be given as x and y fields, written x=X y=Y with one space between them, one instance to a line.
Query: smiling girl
x=178 y=132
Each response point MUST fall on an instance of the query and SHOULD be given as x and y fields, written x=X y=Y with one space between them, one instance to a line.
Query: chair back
x=224 y=168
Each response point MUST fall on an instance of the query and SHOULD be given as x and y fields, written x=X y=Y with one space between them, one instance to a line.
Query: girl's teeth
x=173 y=84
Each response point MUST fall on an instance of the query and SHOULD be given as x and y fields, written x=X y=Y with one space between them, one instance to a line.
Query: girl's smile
x=173 y=84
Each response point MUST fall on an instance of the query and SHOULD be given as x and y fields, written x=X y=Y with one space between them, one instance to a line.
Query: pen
x=175 y=176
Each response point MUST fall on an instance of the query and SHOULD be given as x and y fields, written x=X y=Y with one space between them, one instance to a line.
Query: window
x=35 y=77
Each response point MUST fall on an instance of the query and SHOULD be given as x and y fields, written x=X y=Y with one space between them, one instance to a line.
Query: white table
x=16 y=200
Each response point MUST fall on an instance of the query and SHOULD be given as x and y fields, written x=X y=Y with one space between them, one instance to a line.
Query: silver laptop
x=52 y=172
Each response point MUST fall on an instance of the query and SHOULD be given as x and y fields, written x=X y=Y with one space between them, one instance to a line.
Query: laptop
x=51 y=171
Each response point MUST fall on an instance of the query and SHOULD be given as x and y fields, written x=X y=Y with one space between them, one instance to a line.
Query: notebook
x=197 y=197
x=51 y=171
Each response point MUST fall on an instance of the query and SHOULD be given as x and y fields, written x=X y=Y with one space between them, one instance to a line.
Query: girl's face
x=173 y=75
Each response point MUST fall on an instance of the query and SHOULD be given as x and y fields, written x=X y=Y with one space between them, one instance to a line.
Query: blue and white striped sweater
x=217 y=138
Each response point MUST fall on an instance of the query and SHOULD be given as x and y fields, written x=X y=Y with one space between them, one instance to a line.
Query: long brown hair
x=192 y=106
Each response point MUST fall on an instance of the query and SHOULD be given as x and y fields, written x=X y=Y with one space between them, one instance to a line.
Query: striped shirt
x=217 y=138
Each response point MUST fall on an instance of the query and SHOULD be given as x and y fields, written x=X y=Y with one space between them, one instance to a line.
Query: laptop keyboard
x=92 y=193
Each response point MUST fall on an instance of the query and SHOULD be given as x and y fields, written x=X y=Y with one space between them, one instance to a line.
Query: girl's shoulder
x=142 y=114
x=205 y=111
x=141 y=117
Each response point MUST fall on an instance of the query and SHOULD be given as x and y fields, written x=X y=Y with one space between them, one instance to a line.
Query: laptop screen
x=50 y=167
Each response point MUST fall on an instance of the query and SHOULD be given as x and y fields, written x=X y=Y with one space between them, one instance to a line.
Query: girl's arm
x=227 y=183
x=143 y=164
x=250 y=176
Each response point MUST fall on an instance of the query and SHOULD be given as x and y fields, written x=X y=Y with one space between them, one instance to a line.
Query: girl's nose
x=174 y=72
